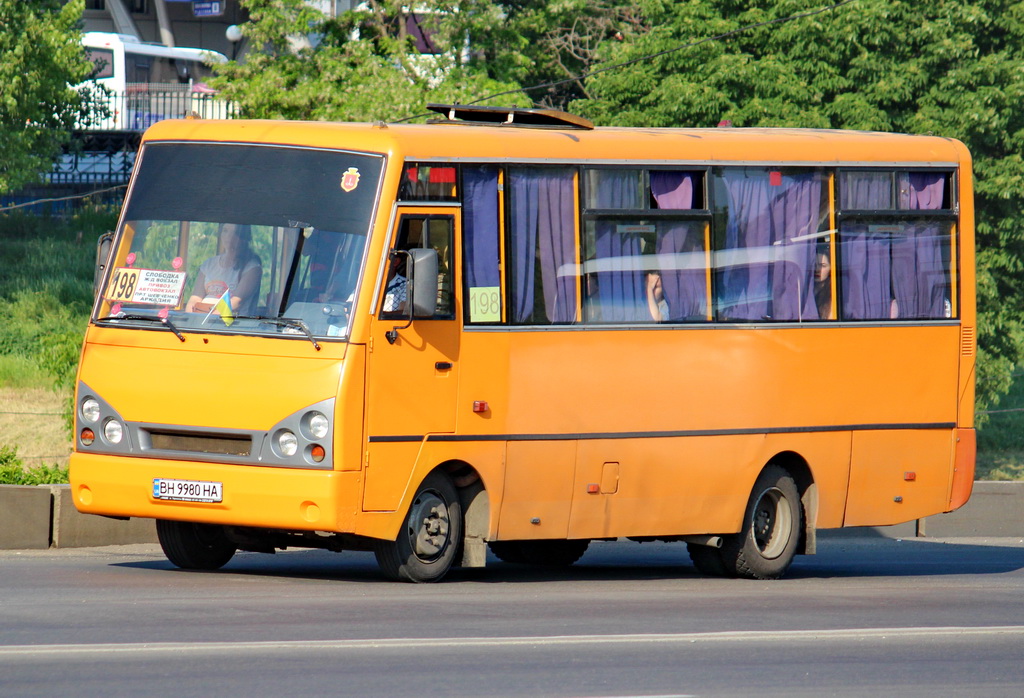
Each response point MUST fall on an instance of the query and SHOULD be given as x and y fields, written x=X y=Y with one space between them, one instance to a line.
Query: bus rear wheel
x=195 y=546
x=427 y=544
x=772 y=524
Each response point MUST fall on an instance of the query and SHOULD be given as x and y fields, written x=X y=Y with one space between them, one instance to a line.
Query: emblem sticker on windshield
x=350 y=179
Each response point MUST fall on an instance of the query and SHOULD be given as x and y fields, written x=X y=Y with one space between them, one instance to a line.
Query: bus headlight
x=113 y=431
x=287 y=443
x=90 y=409
x=317 y=424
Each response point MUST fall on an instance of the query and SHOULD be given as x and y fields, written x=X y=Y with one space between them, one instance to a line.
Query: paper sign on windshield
x=147 y=286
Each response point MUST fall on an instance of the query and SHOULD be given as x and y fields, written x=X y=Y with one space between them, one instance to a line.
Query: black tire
x=707 y=560
x=772 y=525
x=195 y=546
x=429 y=540
x=544 y=553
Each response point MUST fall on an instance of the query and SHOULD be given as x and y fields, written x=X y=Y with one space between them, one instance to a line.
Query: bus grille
x=200 y=443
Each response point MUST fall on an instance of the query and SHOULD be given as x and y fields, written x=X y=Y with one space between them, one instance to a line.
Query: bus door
x=411 y=383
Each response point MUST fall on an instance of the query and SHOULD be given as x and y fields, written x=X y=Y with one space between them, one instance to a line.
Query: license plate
x=188 y=490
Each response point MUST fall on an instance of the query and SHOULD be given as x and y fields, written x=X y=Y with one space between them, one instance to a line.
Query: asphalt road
x=863 y=617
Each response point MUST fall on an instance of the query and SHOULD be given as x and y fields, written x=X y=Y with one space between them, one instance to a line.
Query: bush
x=13 y=472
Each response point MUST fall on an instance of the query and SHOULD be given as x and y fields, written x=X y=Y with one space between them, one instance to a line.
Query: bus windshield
x=242 y=239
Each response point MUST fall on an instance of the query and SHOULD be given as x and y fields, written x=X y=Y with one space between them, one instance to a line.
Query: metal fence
x=143 y=104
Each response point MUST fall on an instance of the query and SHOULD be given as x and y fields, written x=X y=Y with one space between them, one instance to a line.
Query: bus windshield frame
x=242 y=239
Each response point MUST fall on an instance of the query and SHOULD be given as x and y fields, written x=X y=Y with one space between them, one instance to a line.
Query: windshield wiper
x=284 y=322
x=147 y=318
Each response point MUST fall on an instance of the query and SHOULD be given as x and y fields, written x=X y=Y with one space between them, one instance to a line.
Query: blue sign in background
x=213 y=8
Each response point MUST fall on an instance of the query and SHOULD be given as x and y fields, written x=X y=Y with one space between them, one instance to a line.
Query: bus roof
x=130 y=43
x=452 y=142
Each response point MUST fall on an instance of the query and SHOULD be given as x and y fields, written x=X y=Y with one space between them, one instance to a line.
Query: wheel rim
x=429 y=526
x=772 y=523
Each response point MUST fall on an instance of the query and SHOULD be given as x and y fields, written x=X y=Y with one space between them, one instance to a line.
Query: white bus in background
x=145 y=83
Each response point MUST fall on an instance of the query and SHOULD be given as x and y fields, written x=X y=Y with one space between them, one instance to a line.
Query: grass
x=45 y=299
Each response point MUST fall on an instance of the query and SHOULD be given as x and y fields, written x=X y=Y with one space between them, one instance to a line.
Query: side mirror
x=424 y=282
x=422 y=290
x=103 y=247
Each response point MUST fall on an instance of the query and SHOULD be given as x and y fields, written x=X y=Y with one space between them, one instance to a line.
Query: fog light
x=113 y=432
x=287 y=443
x=90 y=409
x=317 y=453
x=87 y=436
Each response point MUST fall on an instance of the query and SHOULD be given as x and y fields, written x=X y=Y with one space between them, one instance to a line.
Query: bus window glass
x=895 y=265
x=638 y=268
x=481 y=244
x=614 y=188
x=645 y=270
x=542 y=245
x=103 y=62
x=279 y=233
x=770 y=221
x=428 y=232
x=427 y=182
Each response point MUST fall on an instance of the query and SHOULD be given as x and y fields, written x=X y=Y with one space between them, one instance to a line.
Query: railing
x=142 y=105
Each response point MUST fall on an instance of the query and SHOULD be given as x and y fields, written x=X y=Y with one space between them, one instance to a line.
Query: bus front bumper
x=278 y=498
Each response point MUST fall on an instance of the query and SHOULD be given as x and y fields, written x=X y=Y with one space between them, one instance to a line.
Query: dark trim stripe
x=591 y=436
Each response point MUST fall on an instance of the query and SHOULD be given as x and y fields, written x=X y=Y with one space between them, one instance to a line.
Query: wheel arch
x=476 y=510
x=800 y=470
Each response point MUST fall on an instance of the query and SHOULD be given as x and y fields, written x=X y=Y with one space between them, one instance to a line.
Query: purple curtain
x=621 y=293
x=480 y=221
x=919 y=276
x=897 y=272
x=765 y=268
x=542 y=234
x=865 y=268
x=796 y=213
x=680 y=248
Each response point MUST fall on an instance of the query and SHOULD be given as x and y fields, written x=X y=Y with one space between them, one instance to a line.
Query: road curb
x=44 y=516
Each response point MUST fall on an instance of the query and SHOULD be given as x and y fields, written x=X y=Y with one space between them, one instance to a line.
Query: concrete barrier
x=25 y=517
x=44 y=517
x=72 y=529
x=995 y=510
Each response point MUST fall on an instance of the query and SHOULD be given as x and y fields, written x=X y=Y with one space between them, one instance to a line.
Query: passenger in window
x=823 y=283
x=236 y=270
x=396 y=290
x=656 y=302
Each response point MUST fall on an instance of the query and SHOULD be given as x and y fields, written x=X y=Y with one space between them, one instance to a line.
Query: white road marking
x=15 y=651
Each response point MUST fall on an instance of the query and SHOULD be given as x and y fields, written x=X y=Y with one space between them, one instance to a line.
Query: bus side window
x=541 y=252
x=423 y=232
x=481 y=245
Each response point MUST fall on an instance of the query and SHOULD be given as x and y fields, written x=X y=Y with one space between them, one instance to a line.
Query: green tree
x=949 y=67
x=548 y=44
x=40 y=58
x=360 y=67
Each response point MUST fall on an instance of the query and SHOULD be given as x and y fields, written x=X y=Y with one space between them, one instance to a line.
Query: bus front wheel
x=426 y=545
x=194 y=546
x=772 y=524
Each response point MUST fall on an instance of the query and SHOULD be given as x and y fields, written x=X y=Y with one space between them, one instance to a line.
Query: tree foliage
x=361 y=66
x=948 y=67
x=40 y=57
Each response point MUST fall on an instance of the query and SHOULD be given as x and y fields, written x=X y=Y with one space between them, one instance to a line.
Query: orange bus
x=508 y=330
